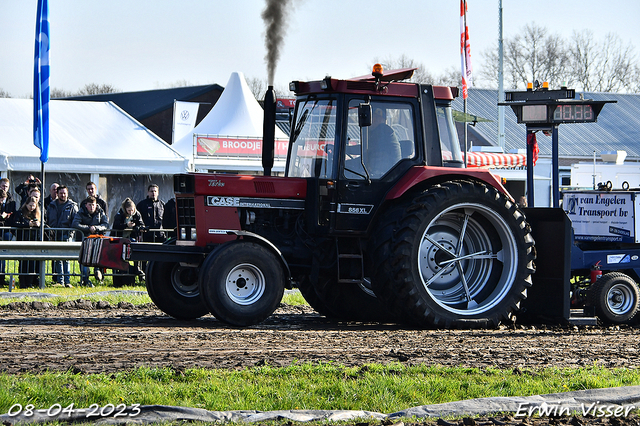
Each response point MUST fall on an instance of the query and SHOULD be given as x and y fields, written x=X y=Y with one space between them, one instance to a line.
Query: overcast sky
x=148 y=44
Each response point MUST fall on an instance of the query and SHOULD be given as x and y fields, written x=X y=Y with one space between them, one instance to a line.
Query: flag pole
x=465 y=59
x=42 y=213
x=41 y=97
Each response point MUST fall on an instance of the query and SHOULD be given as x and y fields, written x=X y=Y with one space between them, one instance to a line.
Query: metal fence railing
x=27 y=259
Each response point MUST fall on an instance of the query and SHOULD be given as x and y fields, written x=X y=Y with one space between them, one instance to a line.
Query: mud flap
x=549 y=298
x=104 y=252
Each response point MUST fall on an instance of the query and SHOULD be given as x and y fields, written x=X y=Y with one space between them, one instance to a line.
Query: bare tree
x=4 y=94
x=96 y=89
x=179 y=83
x=258 y=87
x=56 y=93
x=608 y=66
x=535 y=55
x=582 y=62
x=421 y=74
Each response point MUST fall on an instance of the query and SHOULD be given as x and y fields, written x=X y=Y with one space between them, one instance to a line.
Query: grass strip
x=104 y=293
x=382 y=388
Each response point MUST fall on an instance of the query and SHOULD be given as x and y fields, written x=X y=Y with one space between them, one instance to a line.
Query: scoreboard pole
x=555 y=165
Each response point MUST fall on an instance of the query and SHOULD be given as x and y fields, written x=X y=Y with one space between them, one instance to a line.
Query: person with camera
x=24 y=189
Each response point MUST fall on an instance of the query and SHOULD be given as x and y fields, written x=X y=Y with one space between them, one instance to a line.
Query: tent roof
x=236 y=114
x=84 y=137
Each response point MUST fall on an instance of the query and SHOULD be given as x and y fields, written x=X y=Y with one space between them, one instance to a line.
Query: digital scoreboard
x=558 y=113
x=550 y=107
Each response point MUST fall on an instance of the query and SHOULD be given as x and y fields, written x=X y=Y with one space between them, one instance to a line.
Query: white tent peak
x=237 y=113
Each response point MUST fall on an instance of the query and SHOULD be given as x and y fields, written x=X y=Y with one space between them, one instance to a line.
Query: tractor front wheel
x=242 y=283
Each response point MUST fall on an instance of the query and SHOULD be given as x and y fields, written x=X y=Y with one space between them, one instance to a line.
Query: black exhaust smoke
x=274 y=16
x=268 y=131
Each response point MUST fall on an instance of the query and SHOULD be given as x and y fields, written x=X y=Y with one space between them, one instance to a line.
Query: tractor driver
x=384 y=148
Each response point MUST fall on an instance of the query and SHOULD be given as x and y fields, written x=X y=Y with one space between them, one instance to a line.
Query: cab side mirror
x=364 y=115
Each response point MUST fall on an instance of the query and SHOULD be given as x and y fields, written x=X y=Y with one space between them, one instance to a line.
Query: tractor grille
x=186 y=210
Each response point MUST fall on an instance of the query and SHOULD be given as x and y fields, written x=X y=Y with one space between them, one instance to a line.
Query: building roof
x=617 y=128
x=144 y=104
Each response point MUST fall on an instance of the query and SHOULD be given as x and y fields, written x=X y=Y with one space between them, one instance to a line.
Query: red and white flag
x=465 y=49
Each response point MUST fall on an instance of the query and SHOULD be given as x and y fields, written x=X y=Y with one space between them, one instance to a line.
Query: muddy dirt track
x=85 y=338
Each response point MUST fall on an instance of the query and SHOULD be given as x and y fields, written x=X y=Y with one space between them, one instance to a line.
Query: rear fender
x=419 y=175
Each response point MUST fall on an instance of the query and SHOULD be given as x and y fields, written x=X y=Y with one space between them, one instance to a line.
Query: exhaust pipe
x=268 y=131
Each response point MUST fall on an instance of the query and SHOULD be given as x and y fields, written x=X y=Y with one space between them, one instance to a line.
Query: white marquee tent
x=229 y=138
x=85 y=137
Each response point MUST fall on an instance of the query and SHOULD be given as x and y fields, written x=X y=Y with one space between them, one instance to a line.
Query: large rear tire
x=615 y=297
x=174 y=290
x=460 y=255
x=345 y=301
x=242 y=283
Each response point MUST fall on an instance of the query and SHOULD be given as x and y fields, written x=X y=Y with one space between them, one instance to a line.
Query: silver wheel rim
x=619 y=299
x=245 y=284
x=185 y=281
x=365 y=286
x=468 y=259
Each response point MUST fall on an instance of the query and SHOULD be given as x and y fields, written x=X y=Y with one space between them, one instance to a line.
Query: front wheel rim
x=619 y=299
x=245 y=284
x=185 y=281
x=468 y=259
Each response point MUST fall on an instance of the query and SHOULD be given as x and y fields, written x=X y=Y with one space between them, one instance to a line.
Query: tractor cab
x=355 y=139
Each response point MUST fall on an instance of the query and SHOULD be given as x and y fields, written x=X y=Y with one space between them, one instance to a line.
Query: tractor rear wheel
x=174 y=290
x=615 y=297
x=242 y=283
x=347 y=301
x=460 y=255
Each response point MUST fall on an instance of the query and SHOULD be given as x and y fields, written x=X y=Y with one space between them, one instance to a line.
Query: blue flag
x=41 y=82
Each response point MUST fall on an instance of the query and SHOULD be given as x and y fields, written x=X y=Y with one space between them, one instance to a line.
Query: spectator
x=129 y=221
x=27 y=219
x=4 y=184
x=152 y=211
x=522 y=202
x=90 y=219
x=60 y=214
x=7 y=210
x=169 y=218
x=53 y=194
x=34 y=191
x=24 y=188
x=92 y=190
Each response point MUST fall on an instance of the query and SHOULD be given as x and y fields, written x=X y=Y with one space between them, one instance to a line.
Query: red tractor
x=375 y=219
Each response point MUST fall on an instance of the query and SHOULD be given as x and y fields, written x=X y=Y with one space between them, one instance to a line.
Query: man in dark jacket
x=90 y=219
x=7 y=209
x=152 y=211
x=92 y=190
x=60 y=214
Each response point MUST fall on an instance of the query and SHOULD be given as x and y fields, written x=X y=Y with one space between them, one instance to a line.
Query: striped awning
x=484 y=159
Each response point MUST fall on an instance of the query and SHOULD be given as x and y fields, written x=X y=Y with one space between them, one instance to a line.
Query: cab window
x=313 y=139
x=389 y=139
